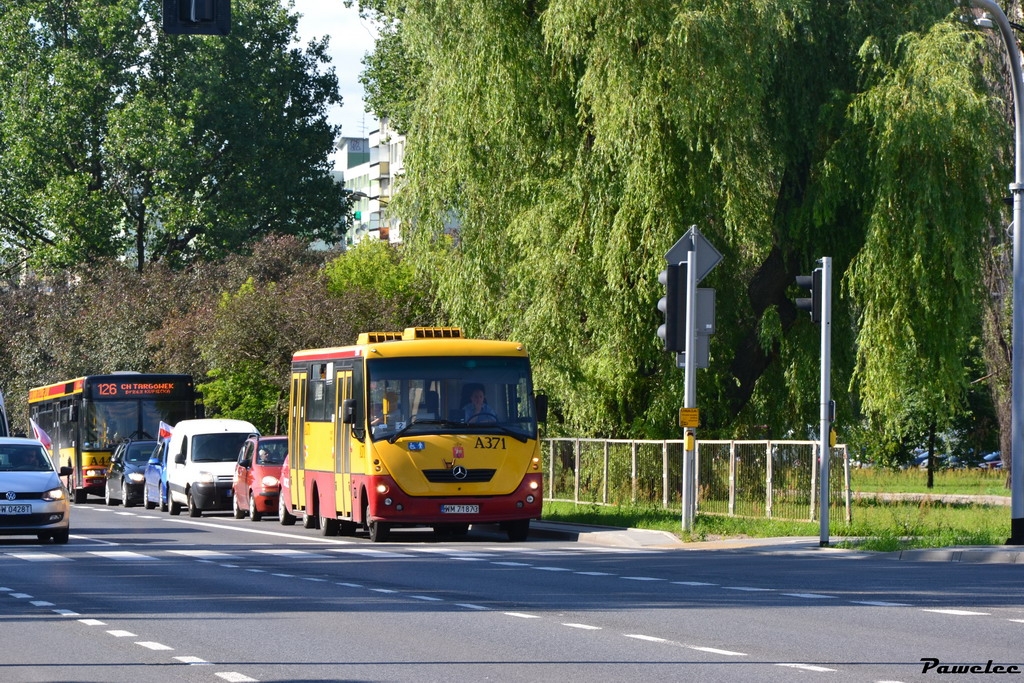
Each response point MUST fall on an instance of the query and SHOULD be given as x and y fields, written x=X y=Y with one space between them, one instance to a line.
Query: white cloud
x=350 y=39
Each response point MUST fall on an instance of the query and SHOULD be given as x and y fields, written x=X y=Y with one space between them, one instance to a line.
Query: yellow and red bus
x=385 y=434
x=87 y=417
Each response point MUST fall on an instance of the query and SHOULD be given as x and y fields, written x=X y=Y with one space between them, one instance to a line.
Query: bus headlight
x=533 y=485
x=382 y=488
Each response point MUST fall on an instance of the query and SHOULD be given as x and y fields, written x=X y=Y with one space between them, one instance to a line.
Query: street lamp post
x=1017 y=189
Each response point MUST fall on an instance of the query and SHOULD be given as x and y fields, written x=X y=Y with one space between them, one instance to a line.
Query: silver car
x=33 y=500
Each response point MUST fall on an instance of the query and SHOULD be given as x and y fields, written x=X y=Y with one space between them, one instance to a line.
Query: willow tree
x=576 y=141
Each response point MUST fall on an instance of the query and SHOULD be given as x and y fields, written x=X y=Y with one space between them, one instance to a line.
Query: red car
x=257 y=481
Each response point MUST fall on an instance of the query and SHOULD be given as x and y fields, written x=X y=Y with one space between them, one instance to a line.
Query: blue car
x=154 y=491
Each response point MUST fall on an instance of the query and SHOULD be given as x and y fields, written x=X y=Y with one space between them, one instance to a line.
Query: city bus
x=86 y=418
x=385 y=434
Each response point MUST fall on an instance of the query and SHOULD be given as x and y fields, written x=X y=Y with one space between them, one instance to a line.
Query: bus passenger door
x=343 y=444
x=297 y=441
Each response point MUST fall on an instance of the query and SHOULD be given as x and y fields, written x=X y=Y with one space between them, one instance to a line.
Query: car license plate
x=15 y=509
x=460 y=509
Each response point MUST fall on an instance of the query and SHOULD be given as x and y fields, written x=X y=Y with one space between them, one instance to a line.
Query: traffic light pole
x=825 y=428
x=688 y=492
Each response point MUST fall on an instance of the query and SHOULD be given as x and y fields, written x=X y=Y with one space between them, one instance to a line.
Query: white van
x=201 y=463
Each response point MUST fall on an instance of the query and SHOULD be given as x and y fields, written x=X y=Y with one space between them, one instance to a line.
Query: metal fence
x=772 y=479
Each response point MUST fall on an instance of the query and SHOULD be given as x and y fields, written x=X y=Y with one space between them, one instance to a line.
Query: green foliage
x=557 y=149
x=116 y=139
x=243 y=392
x=372 y=265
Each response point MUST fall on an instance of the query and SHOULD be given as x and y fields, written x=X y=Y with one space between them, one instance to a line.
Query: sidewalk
x=650 y=539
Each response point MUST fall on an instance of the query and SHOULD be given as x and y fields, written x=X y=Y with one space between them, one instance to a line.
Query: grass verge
x=875 y=526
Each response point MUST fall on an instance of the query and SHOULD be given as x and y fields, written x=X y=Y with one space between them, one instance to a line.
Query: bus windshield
x=450 y=393
x=107 y=423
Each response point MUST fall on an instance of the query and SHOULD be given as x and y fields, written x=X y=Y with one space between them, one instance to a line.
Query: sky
x=350 y=39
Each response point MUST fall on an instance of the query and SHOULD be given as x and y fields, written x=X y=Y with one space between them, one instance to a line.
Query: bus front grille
x=452 y=476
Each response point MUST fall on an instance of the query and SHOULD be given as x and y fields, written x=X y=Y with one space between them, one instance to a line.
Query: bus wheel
x=347 y=528
x=308 y=521
x=80 y=496
x=379 y=531
x=193 y=509
x=329 y=527
x=517 y=530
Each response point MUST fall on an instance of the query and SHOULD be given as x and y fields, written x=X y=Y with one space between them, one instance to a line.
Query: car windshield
x=450 y=393
x=272 y=452
x=221 y=447
x=138 y=453
x=24 y=458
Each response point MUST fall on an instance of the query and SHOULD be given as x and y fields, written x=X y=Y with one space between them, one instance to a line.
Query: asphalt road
x=140 y=596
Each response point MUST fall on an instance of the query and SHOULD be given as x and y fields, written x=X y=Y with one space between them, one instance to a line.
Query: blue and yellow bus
x=416 y=428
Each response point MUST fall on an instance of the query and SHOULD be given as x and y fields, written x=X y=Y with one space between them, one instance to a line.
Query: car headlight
x=53 y=494
x=269 y=482
x=136 y=477
x=206 y=478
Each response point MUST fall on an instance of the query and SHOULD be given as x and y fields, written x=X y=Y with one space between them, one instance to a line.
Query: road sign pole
x=690 y=389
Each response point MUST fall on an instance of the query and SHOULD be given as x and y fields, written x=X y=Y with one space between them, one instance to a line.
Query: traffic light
x=197 y=17
x=673 y=306
x=358 y=215
x=813 y=304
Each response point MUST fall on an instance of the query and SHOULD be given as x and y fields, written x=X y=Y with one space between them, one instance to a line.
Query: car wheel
x=61 y=536
x=81 y=495
x=124 y=495
x=238 y=512
x=163 y=500
x=193 y=509
x=283 y=516
x=106 y=494
x=146 y=502
x=254 y=514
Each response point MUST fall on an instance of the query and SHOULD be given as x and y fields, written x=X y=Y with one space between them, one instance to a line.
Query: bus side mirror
x=348 y=411
x=541 y=401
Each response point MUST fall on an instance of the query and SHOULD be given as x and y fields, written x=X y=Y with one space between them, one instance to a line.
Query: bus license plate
x=15 y=509
x=460 y=509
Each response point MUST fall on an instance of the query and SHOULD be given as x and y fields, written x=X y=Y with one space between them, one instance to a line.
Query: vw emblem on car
x=459 y=472
x=11 y=495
